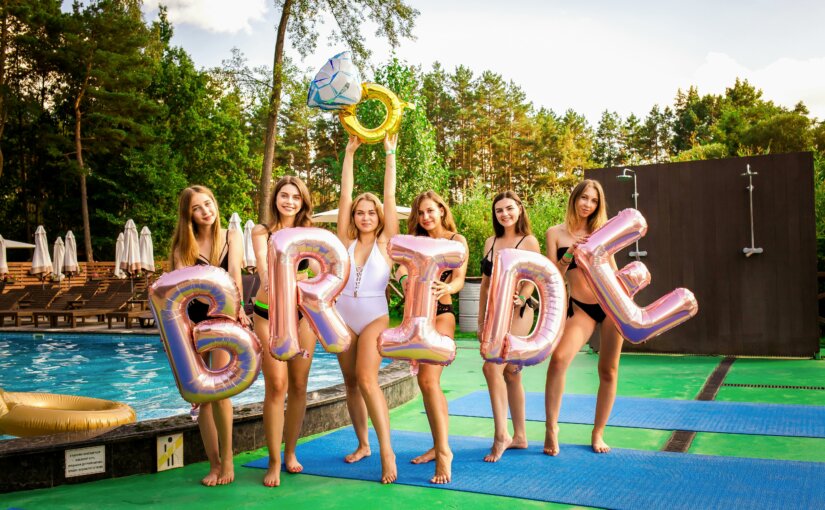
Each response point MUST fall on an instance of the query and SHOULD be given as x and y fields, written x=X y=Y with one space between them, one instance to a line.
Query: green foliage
x=702 y=152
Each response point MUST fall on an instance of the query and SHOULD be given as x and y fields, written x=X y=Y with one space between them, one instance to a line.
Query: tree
x=607 y=147
x=394 y=20
x=105 y=71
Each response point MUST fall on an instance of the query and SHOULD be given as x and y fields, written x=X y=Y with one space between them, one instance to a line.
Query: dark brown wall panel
x=699 y=222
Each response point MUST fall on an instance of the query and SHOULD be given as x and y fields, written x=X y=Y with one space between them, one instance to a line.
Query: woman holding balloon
x=291 y=206
x=586 y=212
x=512 y=230
x=200 y=240
x=430 y=216
x=365 y=227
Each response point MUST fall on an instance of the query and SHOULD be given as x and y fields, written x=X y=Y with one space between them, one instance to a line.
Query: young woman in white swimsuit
x=365 y=227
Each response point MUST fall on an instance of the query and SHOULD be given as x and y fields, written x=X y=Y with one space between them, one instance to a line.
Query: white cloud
x=785 y=81
x=220 y=16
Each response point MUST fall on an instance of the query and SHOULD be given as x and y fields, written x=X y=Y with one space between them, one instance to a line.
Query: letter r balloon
x=314 y=297
x=614 y=290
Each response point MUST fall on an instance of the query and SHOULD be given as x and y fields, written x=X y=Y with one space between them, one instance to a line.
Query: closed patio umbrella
x=4 y=266
x=235 y=222
x=147 y=250
x=119 y=247
x=131 y=249
x=249 y=261
x=70 y=265
x=41 y=261
x=57 y=259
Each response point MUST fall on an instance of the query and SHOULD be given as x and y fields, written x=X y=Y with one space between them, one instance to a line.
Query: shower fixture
x=637 y=254
x=748 y=251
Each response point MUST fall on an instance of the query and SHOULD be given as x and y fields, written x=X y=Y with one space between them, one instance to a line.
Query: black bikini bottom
x=263 y=313
x=442 y=308
x=594 y=311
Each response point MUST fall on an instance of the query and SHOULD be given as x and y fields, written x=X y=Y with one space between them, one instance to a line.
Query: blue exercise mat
x=663 y=414
x=620 y=479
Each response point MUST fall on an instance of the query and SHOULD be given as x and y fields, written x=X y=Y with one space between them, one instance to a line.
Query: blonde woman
x=365 y=226
x=291 y=207
x=512 y=230
x=586 y=212
x=431 y=216
x=200 y=240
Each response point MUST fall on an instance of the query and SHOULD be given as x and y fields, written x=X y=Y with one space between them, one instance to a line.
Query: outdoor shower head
x=624 y=176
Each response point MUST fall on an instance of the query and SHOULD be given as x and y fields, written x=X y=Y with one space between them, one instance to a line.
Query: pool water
x=125 y=368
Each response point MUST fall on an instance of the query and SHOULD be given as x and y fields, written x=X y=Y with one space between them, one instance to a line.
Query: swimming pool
x=125 y=368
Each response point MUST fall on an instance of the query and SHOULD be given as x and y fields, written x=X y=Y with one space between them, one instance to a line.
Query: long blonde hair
x=447 y=220
x=352 y=230
x=304 y=216
x=597 y=218
x=184 y=243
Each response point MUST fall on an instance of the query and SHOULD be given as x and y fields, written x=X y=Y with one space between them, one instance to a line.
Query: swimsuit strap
x=522 y=239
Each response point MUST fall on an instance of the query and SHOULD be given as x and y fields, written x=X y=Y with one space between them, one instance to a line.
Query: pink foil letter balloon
x=416 y=338
x=497 y=343
x=314 y=297
x=185 y=342
x=614 y=290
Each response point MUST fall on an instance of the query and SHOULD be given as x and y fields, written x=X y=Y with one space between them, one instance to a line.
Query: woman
x=291 y=206
x=586 y=212
x=512 y=230
x=430 y=216
x=200 y=240
x=365 y=227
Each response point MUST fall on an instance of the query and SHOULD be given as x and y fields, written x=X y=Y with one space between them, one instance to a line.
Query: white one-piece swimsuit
x=364 y=298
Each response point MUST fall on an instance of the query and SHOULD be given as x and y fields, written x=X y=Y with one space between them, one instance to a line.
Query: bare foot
x=551 y=441
x=272 y=478
x=389 y=473
x=211 y=478
x=443 y=468
x=498 y=448
x=519 y=443
x=292 y=464
x=425 y=457
x=227 y=475
x=598 y=444
x=358 y=454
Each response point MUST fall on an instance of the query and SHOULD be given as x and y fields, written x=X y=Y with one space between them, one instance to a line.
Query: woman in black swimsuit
x=431 y=216
x=200 y=240
x=512 y=230
x=586 y=212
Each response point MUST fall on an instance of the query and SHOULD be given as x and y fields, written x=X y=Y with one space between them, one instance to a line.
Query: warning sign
x=170 y=452
x=86 y=461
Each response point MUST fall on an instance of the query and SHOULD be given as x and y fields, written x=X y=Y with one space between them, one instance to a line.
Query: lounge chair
x=37 y=298
x=97 y=306
x=9 y=303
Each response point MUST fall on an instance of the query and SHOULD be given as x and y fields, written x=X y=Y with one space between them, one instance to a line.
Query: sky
x=589 y=56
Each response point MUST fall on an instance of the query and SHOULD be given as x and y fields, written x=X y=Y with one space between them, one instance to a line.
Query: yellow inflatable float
x=36 y=414
x=392 y=122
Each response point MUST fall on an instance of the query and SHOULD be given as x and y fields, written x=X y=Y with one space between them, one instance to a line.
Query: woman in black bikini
x=586 y=212
x=200 y=240
x=512 y=230
x=431 y=217
x=291 y=206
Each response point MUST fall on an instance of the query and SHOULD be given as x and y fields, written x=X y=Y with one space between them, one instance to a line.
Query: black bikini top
x=487 y=262
x=560 y=253
x=448 y=273
x=224 y=258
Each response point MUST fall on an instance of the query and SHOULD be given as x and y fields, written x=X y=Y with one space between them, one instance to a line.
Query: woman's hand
x=244 y=319
x=441 y=289
x=353 y=144
x=390 y=142
x=518 y=300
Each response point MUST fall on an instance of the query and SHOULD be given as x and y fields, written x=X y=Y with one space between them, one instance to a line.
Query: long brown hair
x=184 y=242
x=523 y=222
x=447 y=220
x=598 y=217
x=352 y=230
x=304 y=216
